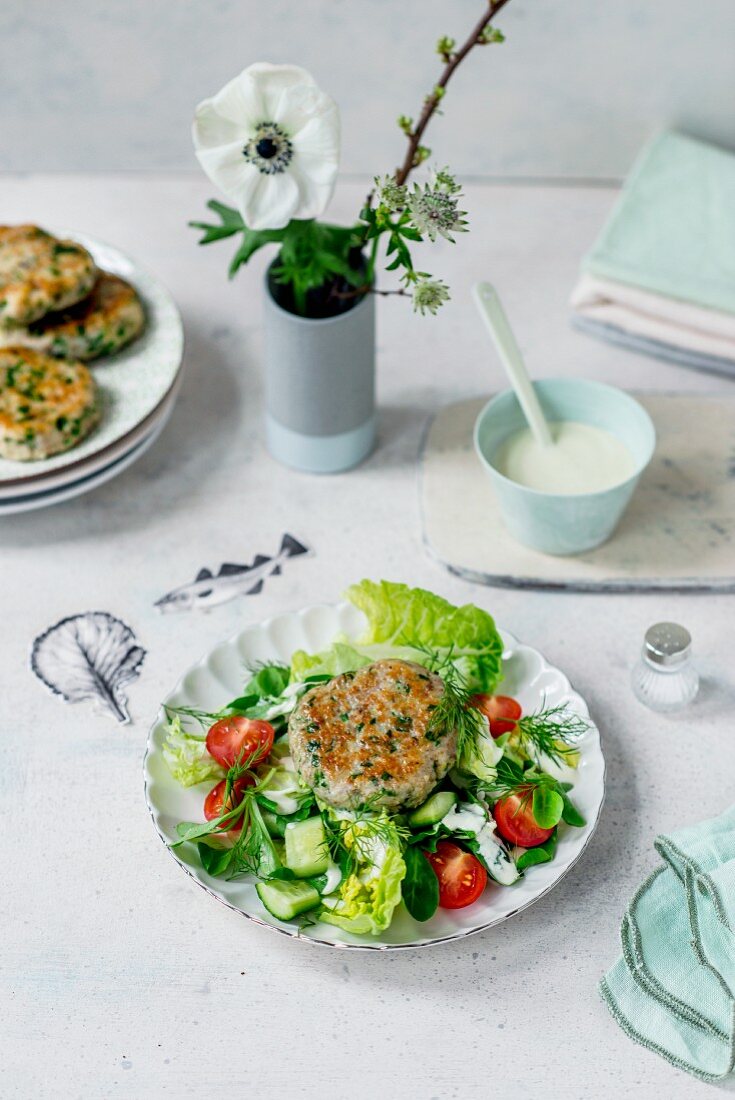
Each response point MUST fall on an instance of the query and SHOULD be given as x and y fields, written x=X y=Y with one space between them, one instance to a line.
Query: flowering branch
x=319 y=264
x=413 y=214
x=480 y=35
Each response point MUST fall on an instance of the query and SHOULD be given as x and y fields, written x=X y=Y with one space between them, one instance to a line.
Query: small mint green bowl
x=565 y=523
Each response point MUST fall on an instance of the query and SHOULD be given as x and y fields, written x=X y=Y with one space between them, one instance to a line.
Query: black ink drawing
x=209 y=589
x=89 y=657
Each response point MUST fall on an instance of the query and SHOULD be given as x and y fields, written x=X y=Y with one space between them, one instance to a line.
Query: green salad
x=379 y=772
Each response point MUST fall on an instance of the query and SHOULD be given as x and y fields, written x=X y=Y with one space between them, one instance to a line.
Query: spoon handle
x=493 y=314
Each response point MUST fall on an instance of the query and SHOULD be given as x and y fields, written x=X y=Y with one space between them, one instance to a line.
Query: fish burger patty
x=106 y=321
x=46 y=405
x=367 y=736
x=39 y=273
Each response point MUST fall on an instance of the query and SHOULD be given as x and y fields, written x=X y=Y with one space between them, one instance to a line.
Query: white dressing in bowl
x=583 y=459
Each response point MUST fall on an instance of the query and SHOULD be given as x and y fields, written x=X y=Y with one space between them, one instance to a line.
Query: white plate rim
x=509 y=641
x=68 y=476
x=35 y=501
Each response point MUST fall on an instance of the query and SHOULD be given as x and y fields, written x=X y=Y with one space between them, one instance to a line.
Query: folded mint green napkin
x=673 y=989
x=672 y=230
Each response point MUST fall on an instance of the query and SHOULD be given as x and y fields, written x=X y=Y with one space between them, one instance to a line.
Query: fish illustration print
x=210 y=589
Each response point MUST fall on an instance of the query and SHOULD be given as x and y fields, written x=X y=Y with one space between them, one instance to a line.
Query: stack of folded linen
x=661 y=277
x=673 y=989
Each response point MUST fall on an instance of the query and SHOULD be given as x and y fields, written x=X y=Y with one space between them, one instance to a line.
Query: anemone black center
x=266 y=148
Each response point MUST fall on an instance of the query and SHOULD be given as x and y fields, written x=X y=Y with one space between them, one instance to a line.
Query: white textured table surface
x=119 y=977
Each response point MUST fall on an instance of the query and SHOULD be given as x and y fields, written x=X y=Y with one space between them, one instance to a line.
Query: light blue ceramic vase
x=320 y=386
x=565 y=523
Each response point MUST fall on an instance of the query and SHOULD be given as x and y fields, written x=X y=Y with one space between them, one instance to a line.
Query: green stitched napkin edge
x=625 y=1025
x=693 y=876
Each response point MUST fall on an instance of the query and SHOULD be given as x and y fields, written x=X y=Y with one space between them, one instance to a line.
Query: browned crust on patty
x=365 y=737
x=46 y=405
x=39 y=273
x=103 y=323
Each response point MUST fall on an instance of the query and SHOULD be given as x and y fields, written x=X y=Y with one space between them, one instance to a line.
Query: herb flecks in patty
x=372 y=727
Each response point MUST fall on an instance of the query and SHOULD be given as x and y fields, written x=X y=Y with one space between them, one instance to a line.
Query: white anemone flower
x=270 y=141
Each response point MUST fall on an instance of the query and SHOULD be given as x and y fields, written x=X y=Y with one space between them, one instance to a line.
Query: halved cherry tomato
x=238 y=738
x=462 y=878
x=516 y=823
x=214 y=802
x=501 y=711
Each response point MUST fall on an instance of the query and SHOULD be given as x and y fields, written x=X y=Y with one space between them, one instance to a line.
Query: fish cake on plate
x=39 y=273
x=47 y=405
x=367 y=737
x=104 y=322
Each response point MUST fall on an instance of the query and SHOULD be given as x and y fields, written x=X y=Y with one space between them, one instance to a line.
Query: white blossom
x=270 y=141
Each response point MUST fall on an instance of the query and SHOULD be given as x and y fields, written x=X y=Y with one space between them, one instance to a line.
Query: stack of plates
x=138 y=386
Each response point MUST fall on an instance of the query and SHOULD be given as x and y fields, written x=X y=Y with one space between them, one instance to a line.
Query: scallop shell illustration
x=91 y=656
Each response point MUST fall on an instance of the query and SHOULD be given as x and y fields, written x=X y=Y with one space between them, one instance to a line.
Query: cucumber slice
x=433 y=810
x=307 y=853
x=274 y=823
x=287 y=898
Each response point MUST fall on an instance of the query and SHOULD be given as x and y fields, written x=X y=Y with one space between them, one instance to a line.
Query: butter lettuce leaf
x=400 y=616
x=339 y=658
x=186 y=756
x=414 y=625
x=480 y=757
x=366 y=901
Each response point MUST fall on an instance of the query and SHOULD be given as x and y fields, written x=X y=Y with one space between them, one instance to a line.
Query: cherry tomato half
x=501 y=711
x=516 y=823
x=238 y=738
x=214 y=802
x=462 y=878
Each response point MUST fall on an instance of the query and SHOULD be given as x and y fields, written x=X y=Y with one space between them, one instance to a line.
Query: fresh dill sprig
x=253 y=849
x=205 y=718
x=435 y=660
x=253 y=852
x=454 y=711
x=350 y=841
x=262 y=666
x=306 y=921
x=554 y=732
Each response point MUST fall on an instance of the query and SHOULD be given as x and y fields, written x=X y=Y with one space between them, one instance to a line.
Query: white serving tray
x=678 y=533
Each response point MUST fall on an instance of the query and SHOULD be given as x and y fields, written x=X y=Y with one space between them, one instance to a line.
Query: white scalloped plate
x=220 y=676
x=134 y=382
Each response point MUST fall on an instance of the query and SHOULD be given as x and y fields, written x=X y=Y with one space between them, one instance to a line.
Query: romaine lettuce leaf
x=401 y=616
x=187 y=757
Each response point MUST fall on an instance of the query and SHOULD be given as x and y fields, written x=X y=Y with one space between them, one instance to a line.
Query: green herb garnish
x=253 y=852
x=351 y=840
x=554 y=732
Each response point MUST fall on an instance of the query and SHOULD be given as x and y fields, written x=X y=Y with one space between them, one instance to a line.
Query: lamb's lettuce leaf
x=264 y=690
x=268 y=681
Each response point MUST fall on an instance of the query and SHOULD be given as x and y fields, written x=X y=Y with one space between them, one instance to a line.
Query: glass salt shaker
x=664 y=678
